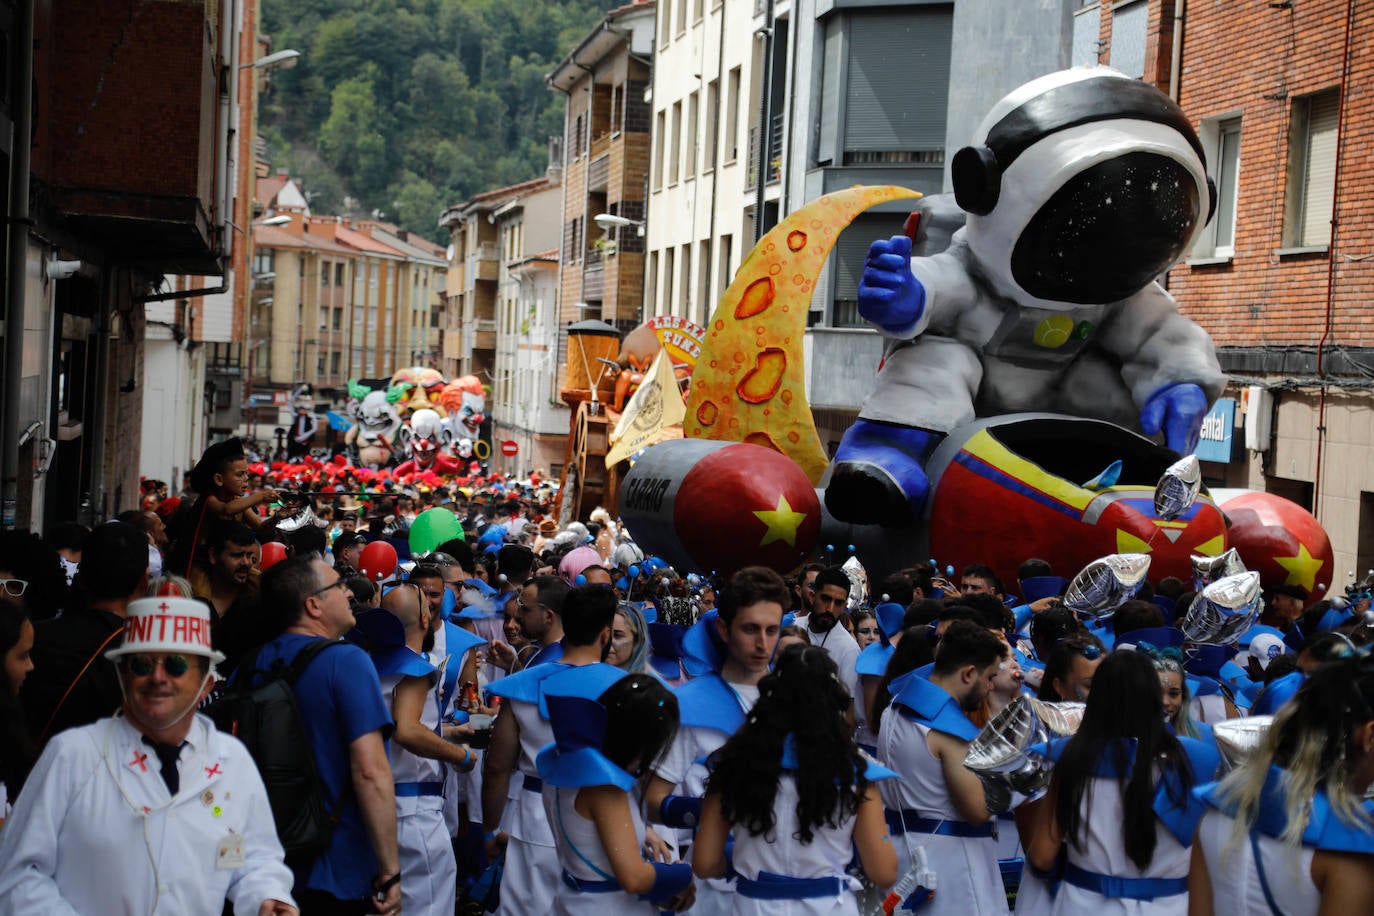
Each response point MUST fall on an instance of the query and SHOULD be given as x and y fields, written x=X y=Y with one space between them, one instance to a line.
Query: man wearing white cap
x=151 y=810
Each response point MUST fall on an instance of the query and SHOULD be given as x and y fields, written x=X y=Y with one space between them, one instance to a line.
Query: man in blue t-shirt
x=340 y=699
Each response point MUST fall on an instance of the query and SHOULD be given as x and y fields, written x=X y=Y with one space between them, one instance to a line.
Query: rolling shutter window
x=1087 y=25
x=1128 y=38
x=897 y=86
x=1319 y=176
x=847 y=262
x=827 y=146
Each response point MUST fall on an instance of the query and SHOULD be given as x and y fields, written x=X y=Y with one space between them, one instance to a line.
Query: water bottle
x=918 y=884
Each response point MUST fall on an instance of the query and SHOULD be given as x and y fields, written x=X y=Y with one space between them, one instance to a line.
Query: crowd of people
x=535 y=717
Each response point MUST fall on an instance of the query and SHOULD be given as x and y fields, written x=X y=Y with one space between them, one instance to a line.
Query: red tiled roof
x=496 y=195
x=267 y=188
x=362 y=242
x=272 y=237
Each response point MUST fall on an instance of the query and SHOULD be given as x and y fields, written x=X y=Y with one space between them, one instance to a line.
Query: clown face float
x=376 y=423
x=425 y=438
x=424 y=390
x=1088 y=185
x=465 y=402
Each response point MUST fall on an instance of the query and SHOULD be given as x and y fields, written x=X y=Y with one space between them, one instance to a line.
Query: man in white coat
x=151 y=810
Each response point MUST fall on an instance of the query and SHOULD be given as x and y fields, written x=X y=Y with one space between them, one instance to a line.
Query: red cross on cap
x=163 y=606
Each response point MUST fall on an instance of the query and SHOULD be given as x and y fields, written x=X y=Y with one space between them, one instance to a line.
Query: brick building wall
x=1255 y=61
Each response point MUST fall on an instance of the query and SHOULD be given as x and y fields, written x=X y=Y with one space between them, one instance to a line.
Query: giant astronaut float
x=1087 y=187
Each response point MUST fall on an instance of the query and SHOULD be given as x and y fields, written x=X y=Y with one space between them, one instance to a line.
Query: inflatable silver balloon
x=1207 y=570
x=858 y=583
x=1106 y=584
x=1000 y=749
x=1178 y=488
x=298 y=521
x=1224 y=610
x=1237 y=739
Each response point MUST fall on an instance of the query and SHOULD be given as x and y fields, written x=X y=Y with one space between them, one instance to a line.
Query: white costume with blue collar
x=919 y=809
x=1263 y=873
x=95 y=830
x=574 y=761
x=711 y=709
x=429 y=872
x=1099 y=877
x=779 y=874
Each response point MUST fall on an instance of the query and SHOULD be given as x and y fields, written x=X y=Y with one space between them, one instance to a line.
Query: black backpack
x=267 y=719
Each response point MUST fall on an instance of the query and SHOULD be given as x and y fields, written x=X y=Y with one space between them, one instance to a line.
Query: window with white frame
x=1221 y=141
x=1311 y=187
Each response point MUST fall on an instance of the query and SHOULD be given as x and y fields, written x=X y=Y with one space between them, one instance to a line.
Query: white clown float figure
x=1087 y=186
x=376 y=422
x=426 y=439
x=465 y=403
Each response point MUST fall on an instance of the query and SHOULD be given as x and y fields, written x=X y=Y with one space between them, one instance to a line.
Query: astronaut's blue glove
x=890 y=296
x=1178 y=411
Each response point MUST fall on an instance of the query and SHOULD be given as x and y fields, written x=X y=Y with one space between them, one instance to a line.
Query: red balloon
x=1281 y=541
x=378 y=560
x=340 y=460
x=273 y=552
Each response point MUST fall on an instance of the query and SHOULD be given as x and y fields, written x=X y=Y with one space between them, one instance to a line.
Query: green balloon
x=433 y=527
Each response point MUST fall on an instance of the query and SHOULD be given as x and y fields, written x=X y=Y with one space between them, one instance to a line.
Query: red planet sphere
x=709 y=506
x=1280 y=540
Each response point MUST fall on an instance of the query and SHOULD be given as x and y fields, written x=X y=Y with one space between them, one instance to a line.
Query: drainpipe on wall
x=18 y=241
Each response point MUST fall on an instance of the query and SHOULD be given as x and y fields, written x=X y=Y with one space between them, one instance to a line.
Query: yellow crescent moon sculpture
x=749 y=381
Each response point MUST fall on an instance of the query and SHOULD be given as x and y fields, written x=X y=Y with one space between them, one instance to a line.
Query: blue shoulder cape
x=709 y=702
x=1177 y=810
x=873 y=659
x=1325 y=830
x=524 y=685
x=931 y=705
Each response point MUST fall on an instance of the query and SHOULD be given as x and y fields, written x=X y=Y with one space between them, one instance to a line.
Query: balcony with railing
x=485 y=261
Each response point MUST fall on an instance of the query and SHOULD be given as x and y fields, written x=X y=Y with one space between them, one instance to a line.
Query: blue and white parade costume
x=1262 y=873
x=1099 y=877
x=920 y=811
x=574 y=761
x=779 y=874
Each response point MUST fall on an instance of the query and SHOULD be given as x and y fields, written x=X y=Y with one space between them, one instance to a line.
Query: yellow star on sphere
x=1302 y=569
x=781 y=523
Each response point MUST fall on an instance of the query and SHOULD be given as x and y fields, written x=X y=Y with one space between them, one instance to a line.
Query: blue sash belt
x=584 y=886
x=769 y=886
x=533 y=783
x=418 y=789
x=1129 y=888
x=908 y=820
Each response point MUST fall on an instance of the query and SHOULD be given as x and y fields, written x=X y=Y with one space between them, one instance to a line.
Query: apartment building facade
x=605 y=80
x=1284 y=277
x=708 y=56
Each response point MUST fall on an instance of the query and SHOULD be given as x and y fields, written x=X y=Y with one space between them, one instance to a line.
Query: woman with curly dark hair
x=1119 y=803
x=799 y=796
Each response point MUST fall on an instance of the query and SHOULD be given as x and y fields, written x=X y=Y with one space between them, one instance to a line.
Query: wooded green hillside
x=410 y=106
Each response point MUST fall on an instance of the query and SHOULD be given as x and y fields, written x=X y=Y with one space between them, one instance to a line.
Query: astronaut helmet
x=1086 y=187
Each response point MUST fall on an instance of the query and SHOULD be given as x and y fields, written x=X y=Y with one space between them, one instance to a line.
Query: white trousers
x=429 y=873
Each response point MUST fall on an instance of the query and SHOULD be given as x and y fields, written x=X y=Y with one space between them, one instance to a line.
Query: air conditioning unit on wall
x=1259 y=417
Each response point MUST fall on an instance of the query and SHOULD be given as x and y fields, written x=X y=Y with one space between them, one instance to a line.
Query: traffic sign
x=510 y=448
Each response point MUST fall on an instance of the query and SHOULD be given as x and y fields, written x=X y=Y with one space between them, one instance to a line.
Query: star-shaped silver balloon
x=1178 y=488
x=1104 y=585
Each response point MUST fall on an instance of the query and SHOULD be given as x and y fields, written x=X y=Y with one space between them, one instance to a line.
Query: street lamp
x=279 y=60
x=281 y=219
x=609 y=221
